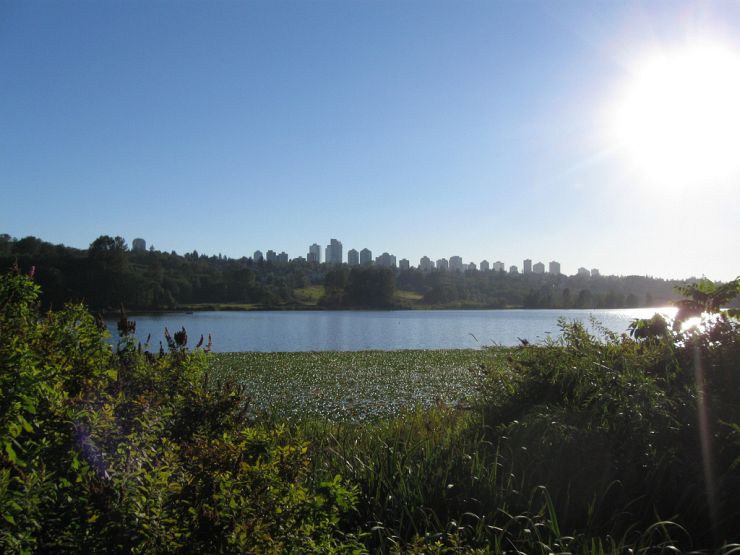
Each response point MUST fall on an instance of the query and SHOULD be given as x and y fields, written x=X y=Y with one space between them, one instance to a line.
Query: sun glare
x=678 y=121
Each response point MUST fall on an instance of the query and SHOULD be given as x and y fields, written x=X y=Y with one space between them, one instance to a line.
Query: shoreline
x=315 y=308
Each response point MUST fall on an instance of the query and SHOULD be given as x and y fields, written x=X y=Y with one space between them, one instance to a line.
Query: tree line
x=109 y=274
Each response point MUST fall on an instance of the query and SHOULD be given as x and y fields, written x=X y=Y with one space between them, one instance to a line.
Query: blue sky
x=418 y=128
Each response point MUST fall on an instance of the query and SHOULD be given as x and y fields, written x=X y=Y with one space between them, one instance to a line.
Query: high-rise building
x=271 y=256
x=499 y=266
x=471 y=267
x=257 y=256
x=393 y=261
x=334 y=252
x=442 y=264
x=366 y=257
x=484 y=266
x=538 y=268
x=554 y=268
x=282 y=258
x=456 y=264
x=353 y=257
x=426 y=264
x=513 y=270
x=385 y=260
x=595 y=272
x=583 y=272
x=139 y=245
x=314 y=253
x=527 y=266
x=403 y=264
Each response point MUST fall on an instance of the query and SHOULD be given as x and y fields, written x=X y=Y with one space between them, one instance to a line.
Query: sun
x=677 y=122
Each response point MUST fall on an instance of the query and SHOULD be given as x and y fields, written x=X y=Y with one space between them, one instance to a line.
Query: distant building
x=385 y=260
x=300 y=260
x=595 y=272
x=271 y=256
x=456 y=264
x=513 y=270
x=366 y=257
x=442 y=264
x=538 y=268
x=393 y=261
x=499 y=266
x=314 y=253
x=333 y=252
x=257 y=256
x=403 y=264
x=426 y=264
x=484 y=266
x=527 y=266
x=471 y=267
x=583 y=272
x=353 y=257
x=282 y=258
x=139 y=245
x=554 y=268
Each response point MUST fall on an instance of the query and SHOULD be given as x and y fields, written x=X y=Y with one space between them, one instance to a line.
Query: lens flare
x=678 y=120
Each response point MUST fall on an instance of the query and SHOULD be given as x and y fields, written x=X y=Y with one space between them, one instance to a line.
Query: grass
x=578 y=445
x=218 y=306
x=309 y=295
x=357 y=386
x=407 y=296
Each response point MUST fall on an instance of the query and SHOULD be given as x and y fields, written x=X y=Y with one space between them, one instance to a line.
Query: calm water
x=369 y=330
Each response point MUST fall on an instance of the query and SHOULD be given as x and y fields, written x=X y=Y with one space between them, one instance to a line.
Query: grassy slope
x=309 y=295
x=217 y=306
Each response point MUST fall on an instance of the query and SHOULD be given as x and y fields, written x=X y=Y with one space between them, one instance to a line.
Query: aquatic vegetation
x=356 y=386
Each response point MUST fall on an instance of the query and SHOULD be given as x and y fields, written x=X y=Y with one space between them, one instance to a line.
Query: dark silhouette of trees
x=109 y=274
x=371 y=287
x=109 y=280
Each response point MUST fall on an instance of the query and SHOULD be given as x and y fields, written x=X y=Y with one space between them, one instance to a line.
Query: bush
x=123 y=451
x=622 y=431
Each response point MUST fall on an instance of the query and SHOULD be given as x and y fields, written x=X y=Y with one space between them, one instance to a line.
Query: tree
x=371 y=287
x=705 y=296
x=109 y=284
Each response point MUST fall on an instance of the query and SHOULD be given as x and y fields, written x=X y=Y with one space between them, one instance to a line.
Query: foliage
x=108 y=274
x=704 y=297
x=578 y=445
x=126 y=451
x=587 y=444
x=371 y=287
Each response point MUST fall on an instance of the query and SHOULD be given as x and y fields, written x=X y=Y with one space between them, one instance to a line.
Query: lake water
x=371 y=330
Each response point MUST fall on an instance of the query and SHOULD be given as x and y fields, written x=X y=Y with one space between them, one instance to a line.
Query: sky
x=477 y=129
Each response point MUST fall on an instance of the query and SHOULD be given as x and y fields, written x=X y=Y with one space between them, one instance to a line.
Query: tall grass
x=581 y=445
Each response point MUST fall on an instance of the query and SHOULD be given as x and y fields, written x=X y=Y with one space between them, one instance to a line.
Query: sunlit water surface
x=371 y=330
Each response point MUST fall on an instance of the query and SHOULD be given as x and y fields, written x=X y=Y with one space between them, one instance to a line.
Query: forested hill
x=109 y=274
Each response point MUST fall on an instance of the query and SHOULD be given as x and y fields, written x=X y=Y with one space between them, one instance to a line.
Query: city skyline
x=435 y=127
x=333 y=255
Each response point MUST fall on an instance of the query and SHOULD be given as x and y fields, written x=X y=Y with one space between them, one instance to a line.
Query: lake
x=288 y=331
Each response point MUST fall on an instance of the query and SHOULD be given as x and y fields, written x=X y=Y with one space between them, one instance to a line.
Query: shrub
x=123 y=451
